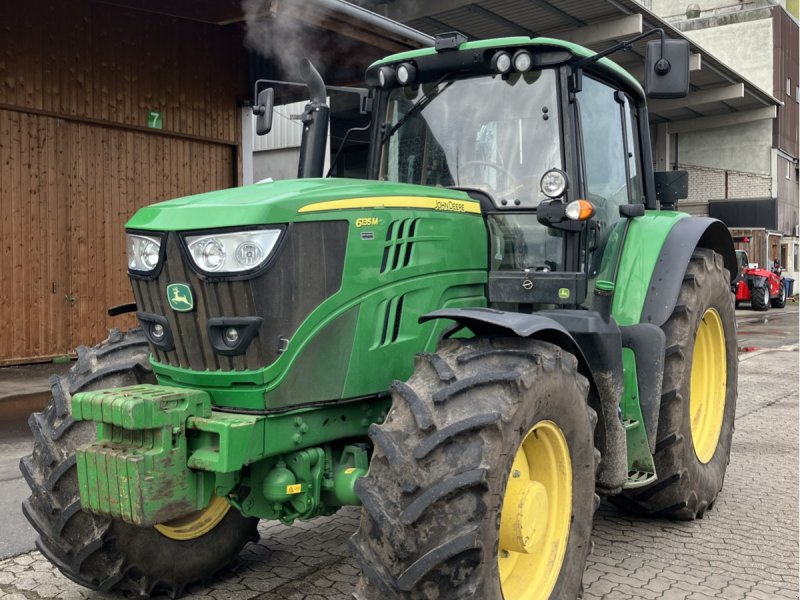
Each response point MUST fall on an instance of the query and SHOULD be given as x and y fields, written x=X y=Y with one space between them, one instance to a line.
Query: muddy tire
x=694 y=433
x=449 y=455
x=759 y=298
x=780 y=300
x=100 y=552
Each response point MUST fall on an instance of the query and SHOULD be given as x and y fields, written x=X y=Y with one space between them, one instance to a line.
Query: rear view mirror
x=263 y=110
x=671 y=186
x=666 y=72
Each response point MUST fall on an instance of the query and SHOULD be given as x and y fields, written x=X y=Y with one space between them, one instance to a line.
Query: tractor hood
x=283 y=202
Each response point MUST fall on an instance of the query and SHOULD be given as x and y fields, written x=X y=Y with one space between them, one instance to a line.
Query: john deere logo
x=180 y=297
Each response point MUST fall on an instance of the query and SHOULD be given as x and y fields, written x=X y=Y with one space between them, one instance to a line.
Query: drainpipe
x=377 y=22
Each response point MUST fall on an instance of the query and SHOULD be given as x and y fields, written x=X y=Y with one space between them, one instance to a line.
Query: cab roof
x=604 y=65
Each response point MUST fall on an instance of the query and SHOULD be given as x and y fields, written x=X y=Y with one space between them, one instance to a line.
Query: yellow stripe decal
x=442 y=204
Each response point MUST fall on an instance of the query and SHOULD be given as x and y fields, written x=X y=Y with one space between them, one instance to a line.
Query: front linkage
x=162 y=454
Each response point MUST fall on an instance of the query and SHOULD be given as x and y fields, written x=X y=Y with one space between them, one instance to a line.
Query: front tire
x=97 y=551
x=482 y=480
x=759 y=298
x=698 y=399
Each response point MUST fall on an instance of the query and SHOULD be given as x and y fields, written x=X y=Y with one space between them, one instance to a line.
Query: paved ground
x=746 y=548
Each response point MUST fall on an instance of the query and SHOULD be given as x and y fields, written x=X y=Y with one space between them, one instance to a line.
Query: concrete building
x=745 y=172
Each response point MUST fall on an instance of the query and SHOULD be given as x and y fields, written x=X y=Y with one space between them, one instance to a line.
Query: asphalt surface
x=746 y=548
x=15 y=534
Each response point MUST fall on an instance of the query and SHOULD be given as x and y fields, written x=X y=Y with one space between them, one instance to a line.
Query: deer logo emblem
x=180 y=297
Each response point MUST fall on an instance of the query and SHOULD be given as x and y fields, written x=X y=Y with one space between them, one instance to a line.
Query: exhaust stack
x=315 y=124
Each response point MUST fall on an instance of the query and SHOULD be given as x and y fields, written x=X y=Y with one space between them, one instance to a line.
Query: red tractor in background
x=760 y=287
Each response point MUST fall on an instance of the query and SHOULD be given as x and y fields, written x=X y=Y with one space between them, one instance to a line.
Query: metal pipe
x=377 y=21
x=313 y=80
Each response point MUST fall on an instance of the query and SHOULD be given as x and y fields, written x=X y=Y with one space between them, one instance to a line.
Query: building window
x=788 y=170
x=789 y=86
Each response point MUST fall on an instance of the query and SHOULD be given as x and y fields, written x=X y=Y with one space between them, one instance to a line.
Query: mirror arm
x=364 y=104
x=621 y=46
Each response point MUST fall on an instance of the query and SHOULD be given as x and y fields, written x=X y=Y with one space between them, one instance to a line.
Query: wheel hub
x=536 y=514
x=196 y=524
x=526 y=525
x=708 y=385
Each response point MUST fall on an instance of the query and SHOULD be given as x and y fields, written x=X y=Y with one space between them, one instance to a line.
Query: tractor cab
x=550 y=139
x=742 y=261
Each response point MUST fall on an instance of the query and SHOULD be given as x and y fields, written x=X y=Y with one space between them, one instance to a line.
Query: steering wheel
x=515 y=185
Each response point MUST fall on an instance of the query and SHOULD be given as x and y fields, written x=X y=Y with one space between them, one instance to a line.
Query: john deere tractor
x=503 y=322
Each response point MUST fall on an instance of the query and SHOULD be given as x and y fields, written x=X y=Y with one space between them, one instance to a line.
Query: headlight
x=232 y=252
x=143 y=252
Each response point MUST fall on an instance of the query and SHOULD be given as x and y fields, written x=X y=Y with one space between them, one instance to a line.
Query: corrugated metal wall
x=77 y=80
x=286 y=132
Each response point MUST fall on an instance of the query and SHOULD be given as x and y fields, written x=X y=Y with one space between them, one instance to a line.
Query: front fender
x=492 y=322
x=597 y=344
x=757 y=281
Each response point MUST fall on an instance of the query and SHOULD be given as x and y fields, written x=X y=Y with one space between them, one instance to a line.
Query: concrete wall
x=745 y=147
x=675 y=10
x=746 y=46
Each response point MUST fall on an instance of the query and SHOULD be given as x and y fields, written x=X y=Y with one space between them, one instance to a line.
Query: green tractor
x=505 y=321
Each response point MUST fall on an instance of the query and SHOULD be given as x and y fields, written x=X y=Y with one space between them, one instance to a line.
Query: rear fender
x=649 y=283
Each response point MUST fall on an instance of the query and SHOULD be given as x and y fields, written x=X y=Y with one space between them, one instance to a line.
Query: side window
x=605 y=165
x=603 y=152
x=634 y=155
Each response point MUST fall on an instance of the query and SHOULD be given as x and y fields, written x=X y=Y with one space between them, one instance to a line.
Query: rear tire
x=780 y=300
x=759 y=298
x=690 y=460
x=434 y=495
x=97 y=551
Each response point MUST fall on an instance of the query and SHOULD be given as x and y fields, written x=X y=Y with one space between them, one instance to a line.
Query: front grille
x=307 y=270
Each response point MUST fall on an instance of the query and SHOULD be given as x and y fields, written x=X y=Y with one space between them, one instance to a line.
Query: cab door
x=611 y=171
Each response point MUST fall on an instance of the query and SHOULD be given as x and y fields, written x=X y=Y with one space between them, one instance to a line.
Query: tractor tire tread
x=96 y=551
x=416 y=534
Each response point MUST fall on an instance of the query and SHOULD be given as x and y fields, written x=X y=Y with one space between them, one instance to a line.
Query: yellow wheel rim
x=709 y=380
x=196 y=524
x=536 y=514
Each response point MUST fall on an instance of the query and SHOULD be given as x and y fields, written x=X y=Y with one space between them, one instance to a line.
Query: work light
x=554 y=183
x=522 y=60
x=406 y=73
x=501 y=62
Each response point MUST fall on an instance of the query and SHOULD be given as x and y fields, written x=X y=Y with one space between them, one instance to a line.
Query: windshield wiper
x=418 y=106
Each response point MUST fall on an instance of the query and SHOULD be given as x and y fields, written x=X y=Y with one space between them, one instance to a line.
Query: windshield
x=495 y=134
x=741 y=255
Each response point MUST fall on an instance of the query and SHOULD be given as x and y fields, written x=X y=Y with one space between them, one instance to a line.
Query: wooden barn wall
x=110 y=64
x=76 y=159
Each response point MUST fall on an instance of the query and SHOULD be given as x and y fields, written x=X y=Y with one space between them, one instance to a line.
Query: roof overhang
x=719 y=95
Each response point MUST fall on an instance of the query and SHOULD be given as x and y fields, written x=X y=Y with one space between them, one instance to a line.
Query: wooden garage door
x=66 y=190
